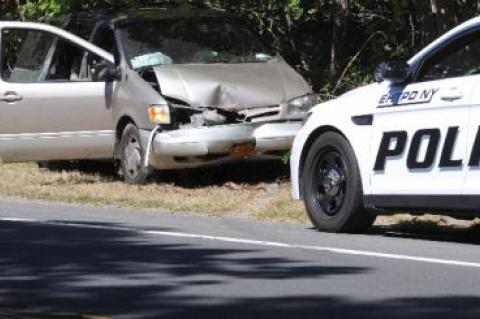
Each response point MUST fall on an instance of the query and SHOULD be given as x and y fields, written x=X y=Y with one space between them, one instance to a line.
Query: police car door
x=420 y=140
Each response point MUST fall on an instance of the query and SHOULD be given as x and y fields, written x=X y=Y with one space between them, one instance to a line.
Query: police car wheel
x=132 y=155
x=332 y=188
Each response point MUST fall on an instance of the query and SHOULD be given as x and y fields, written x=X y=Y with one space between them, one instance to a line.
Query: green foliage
x=48 y=9
x=43 y=9
x=335 y=44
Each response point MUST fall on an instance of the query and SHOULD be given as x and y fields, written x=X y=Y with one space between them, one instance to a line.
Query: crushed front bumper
x=193 y=147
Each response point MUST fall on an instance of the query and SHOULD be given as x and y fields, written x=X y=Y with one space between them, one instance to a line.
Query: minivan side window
x=461 y=58
x=34 y=56
x=24 y=54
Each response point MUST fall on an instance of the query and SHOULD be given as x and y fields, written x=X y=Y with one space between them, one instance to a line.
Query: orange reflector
x=159 y=114
x=243 y=150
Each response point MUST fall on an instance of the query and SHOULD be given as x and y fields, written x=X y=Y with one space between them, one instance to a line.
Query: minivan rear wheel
x=132 y=157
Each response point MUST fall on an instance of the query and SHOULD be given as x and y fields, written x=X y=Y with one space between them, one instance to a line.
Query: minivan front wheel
x=332 y=187
x=132 y=157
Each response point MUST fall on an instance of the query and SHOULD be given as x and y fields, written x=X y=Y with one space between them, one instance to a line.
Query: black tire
x=132 y=157
x=332 y=187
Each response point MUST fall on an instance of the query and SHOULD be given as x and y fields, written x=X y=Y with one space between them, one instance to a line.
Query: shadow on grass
x=430 y=230
x=242 y=172
x=112 y=272
x=248 y=173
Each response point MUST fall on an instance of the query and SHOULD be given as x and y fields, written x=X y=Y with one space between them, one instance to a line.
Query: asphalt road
x=64 y=259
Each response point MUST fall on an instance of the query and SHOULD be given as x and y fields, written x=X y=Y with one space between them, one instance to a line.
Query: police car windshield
x=191 y=41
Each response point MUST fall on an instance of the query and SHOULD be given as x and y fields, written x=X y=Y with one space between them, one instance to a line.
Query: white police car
x=410 y=142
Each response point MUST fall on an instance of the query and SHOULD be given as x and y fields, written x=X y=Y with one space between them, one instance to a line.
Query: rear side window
x=24 y=55
x=32 y=56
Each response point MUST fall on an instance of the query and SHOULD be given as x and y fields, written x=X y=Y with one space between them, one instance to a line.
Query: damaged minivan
x=153 y=89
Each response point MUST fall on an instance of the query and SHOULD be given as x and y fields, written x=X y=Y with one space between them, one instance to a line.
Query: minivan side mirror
x=106 y=71
x=394 y=71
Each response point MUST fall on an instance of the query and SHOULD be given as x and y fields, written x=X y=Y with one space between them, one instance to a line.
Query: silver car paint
x=185 y=148
x=78 y=120
x=55 y=120
x=132 y=97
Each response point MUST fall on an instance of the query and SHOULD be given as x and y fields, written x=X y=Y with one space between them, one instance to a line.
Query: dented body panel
x=232 y=87
x=191 y=147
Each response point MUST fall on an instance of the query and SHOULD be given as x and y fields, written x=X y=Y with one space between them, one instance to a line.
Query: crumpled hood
x=231 y=87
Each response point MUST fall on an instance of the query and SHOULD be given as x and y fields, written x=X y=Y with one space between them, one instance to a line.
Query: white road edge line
x=333 y=250
x=14 y=219
x=319 y=248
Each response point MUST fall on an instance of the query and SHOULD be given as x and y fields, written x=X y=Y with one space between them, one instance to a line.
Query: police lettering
x=407 y=97
x=393 y=146
x=432 y=138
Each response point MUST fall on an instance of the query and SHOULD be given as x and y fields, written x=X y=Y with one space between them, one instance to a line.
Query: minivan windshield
x=197 y=40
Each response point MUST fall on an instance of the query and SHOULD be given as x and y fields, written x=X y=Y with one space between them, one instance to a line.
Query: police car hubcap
x=331 y=182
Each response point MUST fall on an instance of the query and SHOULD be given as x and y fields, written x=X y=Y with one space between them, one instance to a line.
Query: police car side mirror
x=393 y=71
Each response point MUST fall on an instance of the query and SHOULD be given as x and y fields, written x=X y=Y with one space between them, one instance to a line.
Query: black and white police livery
x=409 y=142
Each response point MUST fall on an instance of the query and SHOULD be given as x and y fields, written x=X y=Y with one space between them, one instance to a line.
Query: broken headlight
x=301 y=105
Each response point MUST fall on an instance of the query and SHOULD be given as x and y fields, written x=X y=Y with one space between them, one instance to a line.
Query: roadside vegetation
x=335 y=44
x=258 y=191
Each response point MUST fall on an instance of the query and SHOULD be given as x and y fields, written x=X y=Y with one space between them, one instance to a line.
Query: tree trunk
x=9 y=9
x=338 y=35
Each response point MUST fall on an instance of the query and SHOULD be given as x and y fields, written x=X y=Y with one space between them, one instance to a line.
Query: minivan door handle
x=11 y=97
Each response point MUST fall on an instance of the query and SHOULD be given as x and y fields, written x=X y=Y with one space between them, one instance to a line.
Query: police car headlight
x=301 y=105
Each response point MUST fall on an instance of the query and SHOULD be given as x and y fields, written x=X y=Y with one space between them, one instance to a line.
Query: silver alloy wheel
x=133 y=157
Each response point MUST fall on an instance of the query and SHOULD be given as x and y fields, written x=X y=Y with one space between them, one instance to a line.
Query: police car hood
x=367 y=89
x=362 y=99
x=231 y=87
x=354 y=102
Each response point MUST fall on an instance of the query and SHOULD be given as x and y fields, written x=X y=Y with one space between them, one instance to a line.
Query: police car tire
x=141 y=174
x=351 y=216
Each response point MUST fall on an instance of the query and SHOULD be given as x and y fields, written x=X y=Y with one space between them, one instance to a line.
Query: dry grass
x=258 y=191
x=203 y=192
